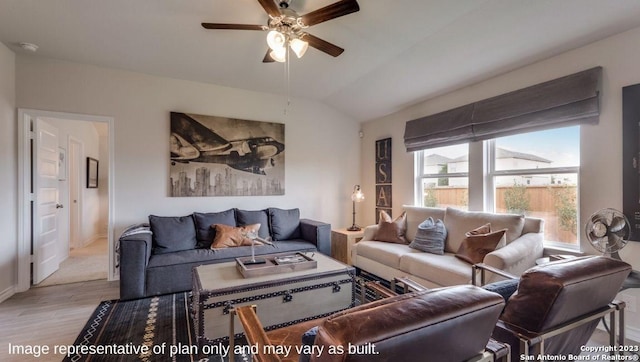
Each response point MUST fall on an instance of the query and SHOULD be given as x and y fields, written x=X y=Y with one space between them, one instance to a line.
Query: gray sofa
x=158 y=258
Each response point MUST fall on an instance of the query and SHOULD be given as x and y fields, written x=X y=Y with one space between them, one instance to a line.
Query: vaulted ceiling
x=397 y=52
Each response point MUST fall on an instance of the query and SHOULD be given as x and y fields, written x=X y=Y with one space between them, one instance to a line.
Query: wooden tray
x=271 y=265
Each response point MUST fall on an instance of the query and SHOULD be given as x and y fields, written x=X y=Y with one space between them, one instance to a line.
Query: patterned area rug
x=152 y=329
x=149 y=329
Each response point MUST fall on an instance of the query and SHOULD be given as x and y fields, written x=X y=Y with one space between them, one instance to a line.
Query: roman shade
x=566 y=101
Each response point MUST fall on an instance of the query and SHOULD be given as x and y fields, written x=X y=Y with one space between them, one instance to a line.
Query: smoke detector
x=29 y=47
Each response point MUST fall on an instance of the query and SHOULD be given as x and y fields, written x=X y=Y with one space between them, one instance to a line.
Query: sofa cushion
x=232 y=236
x=478 y=243
x=172 y=233
x=458 y=222
x=418 y=214
x=443 y=270
x=246 y=217
x=285 y=224
x=430 y=237
x=204 y=232
x=391 y=231
x=388 y=254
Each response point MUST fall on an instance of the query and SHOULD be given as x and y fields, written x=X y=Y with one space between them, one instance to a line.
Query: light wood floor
x=50 y=316
x=90 y=262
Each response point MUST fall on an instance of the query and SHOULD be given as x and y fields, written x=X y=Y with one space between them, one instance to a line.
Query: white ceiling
x=398 y=52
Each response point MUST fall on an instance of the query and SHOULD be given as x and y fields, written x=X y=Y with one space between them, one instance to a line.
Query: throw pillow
x=478 y=243
x=172 y=233
x=391 y=231
x=308 y=339
x=230 y=236
x=459 y=221
x=285 y=224
x=430 y=237
x=244 y=217
x=505 y=288
x=204 y=232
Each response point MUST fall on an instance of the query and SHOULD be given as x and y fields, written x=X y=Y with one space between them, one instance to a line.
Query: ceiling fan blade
x=270 y=7
x=322 y=45
x=329 y=12
x=233 y=26
x=267 y=57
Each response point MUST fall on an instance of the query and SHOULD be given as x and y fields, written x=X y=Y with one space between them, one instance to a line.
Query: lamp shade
x=279 y=54
x=299 y=47
x=276 y=40
x=357 y=195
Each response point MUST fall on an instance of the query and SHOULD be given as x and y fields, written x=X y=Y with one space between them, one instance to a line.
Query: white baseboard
x=7 y=293
x=92 y=239
x=632 y=333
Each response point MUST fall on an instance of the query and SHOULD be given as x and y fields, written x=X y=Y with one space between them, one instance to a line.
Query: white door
x=75 y=152
x=45 y=218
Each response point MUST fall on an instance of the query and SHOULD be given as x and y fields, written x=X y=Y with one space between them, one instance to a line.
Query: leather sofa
x=158 y=258
x=449 y=324
x=386 y=260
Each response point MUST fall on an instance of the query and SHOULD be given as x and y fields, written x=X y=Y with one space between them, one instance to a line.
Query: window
x=443 y=176
x=535 y=174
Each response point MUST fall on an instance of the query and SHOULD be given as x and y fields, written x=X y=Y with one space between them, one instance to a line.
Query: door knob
x=59 y=206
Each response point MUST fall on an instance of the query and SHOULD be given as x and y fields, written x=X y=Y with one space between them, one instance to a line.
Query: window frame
x=481 y=188
x=421 y=175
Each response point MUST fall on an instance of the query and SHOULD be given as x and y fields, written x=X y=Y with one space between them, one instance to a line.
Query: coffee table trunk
x=281 y=299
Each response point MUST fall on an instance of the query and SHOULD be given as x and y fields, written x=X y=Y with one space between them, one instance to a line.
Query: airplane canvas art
x=220 y=156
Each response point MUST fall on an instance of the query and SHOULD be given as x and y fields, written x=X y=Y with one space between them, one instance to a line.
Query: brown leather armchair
x=445 y=324
x=558 y=305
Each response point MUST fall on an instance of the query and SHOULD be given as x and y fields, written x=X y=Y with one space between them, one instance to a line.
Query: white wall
x=8 y=173
x=103 y=177
x=322 y=145
x=601 y=145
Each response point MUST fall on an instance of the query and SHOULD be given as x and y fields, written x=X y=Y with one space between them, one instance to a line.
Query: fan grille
x=608 y=230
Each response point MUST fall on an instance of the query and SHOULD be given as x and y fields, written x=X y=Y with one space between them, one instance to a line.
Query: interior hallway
x=83 y=264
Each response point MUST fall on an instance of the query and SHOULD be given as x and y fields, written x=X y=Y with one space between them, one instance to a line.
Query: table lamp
x=356 y=196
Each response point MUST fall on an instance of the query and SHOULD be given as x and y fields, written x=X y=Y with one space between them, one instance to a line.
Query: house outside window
x=535 y=174
x=443 y=179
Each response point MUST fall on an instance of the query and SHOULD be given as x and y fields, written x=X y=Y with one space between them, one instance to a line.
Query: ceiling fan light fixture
x=299 y=47
x=276 y=40
x=279 y=54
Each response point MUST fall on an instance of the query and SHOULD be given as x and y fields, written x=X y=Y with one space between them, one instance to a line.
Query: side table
x=342 y=241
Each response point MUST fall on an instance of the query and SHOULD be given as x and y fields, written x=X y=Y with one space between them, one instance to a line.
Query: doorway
x=84 y=214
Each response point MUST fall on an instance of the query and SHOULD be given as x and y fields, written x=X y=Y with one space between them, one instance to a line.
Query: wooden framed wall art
x=92 y=173
x=383 y=177
x=221 y=156
x=631 y=158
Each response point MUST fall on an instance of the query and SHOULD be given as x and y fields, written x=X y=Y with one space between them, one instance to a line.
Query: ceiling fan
x=287 y=29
